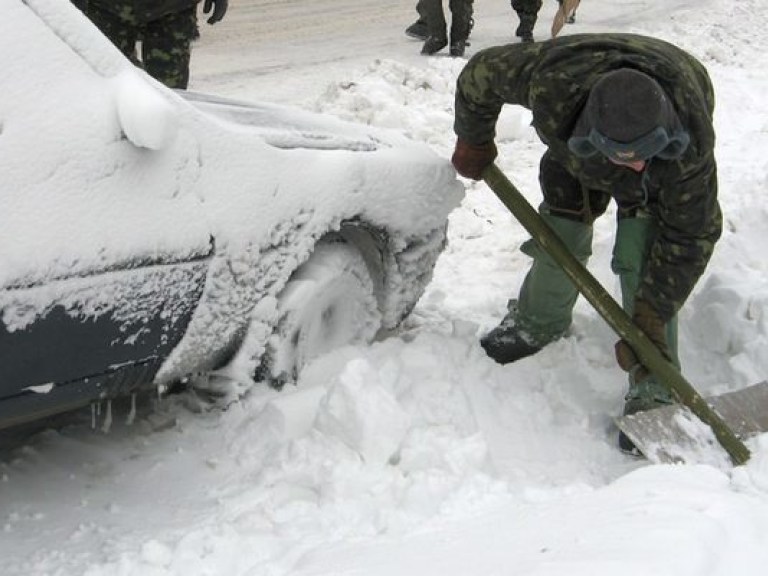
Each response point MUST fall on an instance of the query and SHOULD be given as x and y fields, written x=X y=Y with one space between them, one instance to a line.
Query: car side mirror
x=146 y=117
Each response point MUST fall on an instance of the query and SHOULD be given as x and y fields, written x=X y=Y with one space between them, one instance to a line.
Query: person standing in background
x=165 y=29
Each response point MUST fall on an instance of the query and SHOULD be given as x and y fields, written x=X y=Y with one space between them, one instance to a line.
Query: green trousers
x=547 y=296
x=634 y=237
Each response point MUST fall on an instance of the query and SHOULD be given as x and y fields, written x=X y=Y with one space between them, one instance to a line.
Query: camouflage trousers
x=165 y=42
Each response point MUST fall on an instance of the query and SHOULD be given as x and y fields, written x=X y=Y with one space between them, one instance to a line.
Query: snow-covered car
x=149 y=235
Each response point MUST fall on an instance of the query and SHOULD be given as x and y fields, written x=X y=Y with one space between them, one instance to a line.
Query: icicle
x=107 y=418
x=132 y=413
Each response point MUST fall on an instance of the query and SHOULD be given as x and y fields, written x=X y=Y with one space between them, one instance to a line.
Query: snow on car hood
x=101 y=165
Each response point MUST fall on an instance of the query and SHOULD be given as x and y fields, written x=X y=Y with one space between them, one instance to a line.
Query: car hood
x=283 y=126
x=102 y=166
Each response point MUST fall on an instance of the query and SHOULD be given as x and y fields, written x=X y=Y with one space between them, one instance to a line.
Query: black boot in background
x=418 y=30
x=433 y=45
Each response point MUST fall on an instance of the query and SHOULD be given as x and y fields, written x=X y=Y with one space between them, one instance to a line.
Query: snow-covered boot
x=509 y=342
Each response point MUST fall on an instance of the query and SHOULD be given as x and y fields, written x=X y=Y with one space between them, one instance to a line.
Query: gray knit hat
x=628 y=117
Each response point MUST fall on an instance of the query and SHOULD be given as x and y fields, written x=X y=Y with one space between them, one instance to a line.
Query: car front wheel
x=329 y=302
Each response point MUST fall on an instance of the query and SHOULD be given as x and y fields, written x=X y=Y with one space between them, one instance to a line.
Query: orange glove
x=647 y=319
x=471 y=159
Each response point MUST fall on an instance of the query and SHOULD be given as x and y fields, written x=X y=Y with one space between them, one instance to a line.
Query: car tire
x=329 y=302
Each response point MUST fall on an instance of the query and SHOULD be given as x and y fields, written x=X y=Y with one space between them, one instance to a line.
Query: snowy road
x=272 y=48
x=284 y=49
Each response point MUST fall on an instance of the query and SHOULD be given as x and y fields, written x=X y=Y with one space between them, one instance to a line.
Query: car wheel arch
x=368 y=243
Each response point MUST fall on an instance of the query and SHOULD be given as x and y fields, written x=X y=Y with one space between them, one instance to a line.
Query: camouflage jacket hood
x=553 y=79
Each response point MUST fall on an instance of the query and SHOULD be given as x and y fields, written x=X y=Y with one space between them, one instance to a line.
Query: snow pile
x=418 y=455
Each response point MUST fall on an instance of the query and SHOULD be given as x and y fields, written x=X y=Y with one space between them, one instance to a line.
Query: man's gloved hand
x=219 y=9
x=471 y=159
x=647 y=319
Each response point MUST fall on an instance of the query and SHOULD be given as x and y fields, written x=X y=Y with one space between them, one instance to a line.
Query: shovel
x=655 y=433
x=566 y=8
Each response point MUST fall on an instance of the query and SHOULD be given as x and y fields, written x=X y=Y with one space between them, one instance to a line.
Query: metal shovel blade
x=672 y=434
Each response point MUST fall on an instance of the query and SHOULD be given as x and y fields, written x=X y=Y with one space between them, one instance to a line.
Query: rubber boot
x=634 y=237
x=544 y=309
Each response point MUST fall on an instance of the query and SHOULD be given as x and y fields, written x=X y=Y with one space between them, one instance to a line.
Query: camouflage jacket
x=552 y=79
x=142 y=11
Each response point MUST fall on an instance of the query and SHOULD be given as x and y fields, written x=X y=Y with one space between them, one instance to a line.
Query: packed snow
x=418 y=455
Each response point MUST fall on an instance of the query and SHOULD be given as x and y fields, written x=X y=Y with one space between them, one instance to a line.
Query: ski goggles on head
x=656 y=143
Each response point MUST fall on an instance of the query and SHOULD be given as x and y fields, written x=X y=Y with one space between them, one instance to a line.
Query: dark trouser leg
x=421 y=8
x=433 y=10
x=166 y=48
x=438 y=36
x=122 y=33
x=461 y=23
x=461 y=19
x=527 y=12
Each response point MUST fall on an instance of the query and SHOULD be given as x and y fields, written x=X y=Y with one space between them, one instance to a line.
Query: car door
x=104 y=242
x=70 y=340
